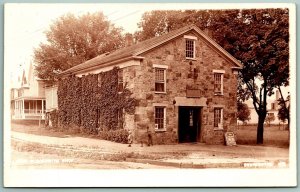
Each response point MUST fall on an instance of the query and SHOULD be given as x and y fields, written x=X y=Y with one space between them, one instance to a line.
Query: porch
x=28 y=108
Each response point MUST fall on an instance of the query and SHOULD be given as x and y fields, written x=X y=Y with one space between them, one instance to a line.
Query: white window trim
x=222 y=72
x=190 y=37
x=218 y=71
x=160 y=66
x=193 y=38
x=221 y=124
x=164 y=67
x=160 y=105
x=165 y=118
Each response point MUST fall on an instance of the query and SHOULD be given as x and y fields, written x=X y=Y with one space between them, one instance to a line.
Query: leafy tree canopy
x=72 y=40
x=243 y=113
x=284 y=109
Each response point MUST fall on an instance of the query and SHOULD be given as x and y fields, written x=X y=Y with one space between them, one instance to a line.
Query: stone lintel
x=196 y=102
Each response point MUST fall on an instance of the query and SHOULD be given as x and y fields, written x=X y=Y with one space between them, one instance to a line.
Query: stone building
x=185 y=82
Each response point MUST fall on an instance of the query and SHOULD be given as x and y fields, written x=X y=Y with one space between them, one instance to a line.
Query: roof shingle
x=139 y=48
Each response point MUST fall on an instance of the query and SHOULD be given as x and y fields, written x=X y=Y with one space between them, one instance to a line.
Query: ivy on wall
x=93 y=101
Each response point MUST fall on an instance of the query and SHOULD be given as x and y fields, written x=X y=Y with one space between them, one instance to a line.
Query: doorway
x=189 y=124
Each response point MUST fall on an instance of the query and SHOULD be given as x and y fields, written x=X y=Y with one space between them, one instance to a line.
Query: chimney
x=128 y=40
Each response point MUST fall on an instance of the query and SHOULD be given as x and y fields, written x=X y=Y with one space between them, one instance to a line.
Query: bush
x=119 y=136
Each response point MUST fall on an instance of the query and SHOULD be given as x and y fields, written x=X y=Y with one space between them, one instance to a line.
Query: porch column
x=19 y=108
x=42 y=107
x=15 y=107
x=18 y=103
x=23 y=109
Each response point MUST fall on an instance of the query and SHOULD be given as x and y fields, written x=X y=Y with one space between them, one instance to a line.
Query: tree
x=284 y=109
x=270 y=118
x=264 y=53
x=72 y=40
x=155 y=23
x=259 y=38
x=243 y=113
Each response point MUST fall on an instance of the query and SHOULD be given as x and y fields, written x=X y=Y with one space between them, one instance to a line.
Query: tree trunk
x=260 y=130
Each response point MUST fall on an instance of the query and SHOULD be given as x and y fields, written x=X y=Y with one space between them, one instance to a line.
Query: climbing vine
x=93 y=101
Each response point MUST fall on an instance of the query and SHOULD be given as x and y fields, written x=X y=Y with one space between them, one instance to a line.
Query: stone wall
x=181 y=74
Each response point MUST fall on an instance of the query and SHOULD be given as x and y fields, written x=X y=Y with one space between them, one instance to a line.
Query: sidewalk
x=179 y=155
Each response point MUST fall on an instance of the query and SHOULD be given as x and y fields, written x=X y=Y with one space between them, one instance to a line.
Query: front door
x=189 y=124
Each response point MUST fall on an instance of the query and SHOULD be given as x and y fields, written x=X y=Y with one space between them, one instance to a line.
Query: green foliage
x=119 y=136
x=93 y=101
x=243 y=113
x=269 y=119
x=71 y=40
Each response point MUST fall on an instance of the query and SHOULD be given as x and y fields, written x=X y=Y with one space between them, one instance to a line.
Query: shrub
x=119 y=135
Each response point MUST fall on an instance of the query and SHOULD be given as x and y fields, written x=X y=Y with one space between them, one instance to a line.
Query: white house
x=28 y=99
x=51 y=97
x=272 y=110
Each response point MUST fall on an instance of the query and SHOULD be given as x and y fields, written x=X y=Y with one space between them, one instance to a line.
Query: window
x=160 y=80
x=271 y=115
x=190 y=48
x=160 y=118
x=218 y=118
x=218 y=83
x=20 y=92
x=120 y=81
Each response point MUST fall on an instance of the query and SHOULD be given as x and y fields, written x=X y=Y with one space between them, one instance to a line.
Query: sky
x=25 y=25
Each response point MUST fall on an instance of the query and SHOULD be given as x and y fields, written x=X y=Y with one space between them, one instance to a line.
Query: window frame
x=164 y=68
x=191 y=39
x=220 y=124
x=164 y=107
x=221 y=73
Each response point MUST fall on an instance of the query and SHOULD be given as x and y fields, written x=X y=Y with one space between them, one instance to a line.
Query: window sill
x=190 y=58
x=160 y=92
x=160 y=130
x=218 y=129
x=219 y=94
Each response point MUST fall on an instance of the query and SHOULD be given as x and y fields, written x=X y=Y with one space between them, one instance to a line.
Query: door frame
x=199 y=127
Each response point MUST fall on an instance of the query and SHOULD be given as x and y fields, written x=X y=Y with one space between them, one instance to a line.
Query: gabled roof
x=133 y=52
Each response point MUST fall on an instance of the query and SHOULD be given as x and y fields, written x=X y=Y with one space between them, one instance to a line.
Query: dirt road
x=33 y=160
x=96 y=153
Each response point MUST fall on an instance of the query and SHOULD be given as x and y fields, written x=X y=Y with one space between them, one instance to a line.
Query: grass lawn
x=246 y=134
